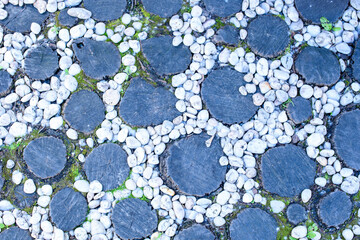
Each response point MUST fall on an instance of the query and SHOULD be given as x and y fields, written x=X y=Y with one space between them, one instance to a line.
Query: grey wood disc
x=84 y=111
x=5 y=82
x=312 y=10
x=253 y=224
x=67 y=20
x=268 y=36
x=299 y=109
x=335 y=208
x=105 y=10
x=164 y=57
x=68 y=209
x=296 y=213
x=15 y=233
x=223 y=8
x=195 y=232
x=107 y=163
x=41 y=63
x=220 y=93
x=356 y=61
x=45 y=156
x=163 y=8
x=204 y=174
x=98 y=59
x=143 y=220
x=318 y=66
x=228 y=35
x=19 y=19
x=23 y=200
x=287 y=170
x=347 y=138
x=146 y=105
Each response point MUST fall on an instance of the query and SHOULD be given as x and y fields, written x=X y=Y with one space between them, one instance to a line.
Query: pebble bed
x=182 y=119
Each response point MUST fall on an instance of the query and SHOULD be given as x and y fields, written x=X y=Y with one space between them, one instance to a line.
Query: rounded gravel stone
x=253 y=224
x=105 y=10
x=268 y=36
x=145 y=105
x=318 y=66
x=107 y=164
x=195 y=232
x=347 y=138
x=299 y=110
x=84 y=111
x=223 y=8
x=201 y=164
x=335 y=208
x=41 y=63
x=19 y=19
x=23 y=200
x=220 y=93
x=228 y=35
x=143 y=220
x=5 y=82
x=65 y=19
x=296 y=213
x=164 y=57
x=45 y=156
x=15 y=233
x=287 y=170
x=163 y=8
x=356 y=61
x=98 y=59
x=312 y=10
x=68 y=209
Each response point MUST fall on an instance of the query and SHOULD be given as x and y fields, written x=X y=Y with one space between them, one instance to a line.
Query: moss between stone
x=68 y=178
x=284 y=229
x=186 y=8
x=280 y=16
x=113 y=24
x=123 y=187
x=156 y=25
x=219 y=23
x=85 y=82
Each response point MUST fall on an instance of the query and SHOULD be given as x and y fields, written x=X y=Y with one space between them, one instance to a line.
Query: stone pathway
x=182 y=119
x=193 y=156
x=15 y=233
x=5 y=82
x=105 y=10
x=332 y=215
x=19 y=19
x=126 y=211
x=162 y=8
x=268 y=36
x=299 y=110
x=107 y=164
x=144 y=104
x=68 y=209
x=84 y=111
x=253 y=223
x=287 y=171
x=345 y=135
x=313 y=11
x=97 y=59
x=220 y=93
x=45 y=156
x=318 y=66
x=195 y=232
x=41 y=63
x=166 y=59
